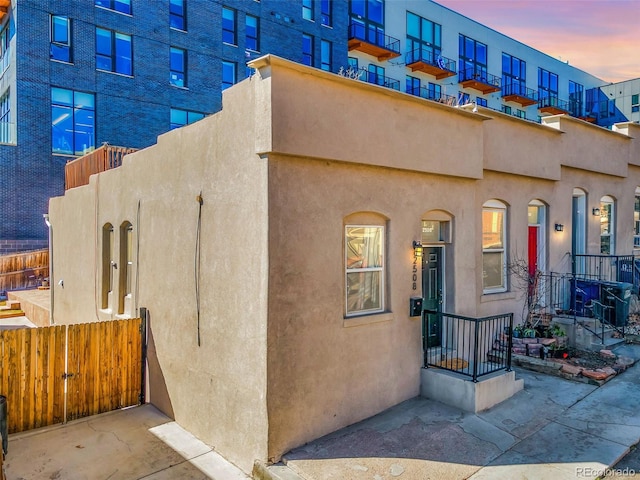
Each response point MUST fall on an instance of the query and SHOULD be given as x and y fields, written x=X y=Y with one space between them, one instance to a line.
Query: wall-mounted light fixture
x=559 y=227
x=595 y=212
x=417 y=248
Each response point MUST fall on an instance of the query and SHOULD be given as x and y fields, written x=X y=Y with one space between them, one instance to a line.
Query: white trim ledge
x=367 y=319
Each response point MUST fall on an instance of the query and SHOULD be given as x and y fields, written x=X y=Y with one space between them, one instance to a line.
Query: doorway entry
x=433 y=295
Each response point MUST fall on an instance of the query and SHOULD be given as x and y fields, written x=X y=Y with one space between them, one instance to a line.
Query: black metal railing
x=599 y=287
x=519 y=89
x=377 y=79
x=608 y=268
x=374 y=36
x=428 y=57
x=480 y=75
x=473 y=347
x=429 y=94
x=555 y=102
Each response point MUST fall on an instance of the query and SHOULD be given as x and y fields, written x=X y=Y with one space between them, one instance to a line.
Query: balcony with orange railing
x=4 y=9
x=106 y=157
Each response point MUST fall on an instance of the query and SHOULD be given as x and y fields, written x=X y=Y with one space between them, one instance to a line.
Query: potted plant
x=558 y=333
x=518 y=331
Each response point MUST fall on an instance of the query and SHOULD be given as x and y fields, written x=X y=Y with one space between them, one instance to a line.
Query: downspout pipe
x=50 y=228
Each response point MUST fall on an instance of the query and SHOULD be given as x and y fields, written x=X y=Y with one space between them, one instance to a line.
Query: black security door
x=432 y=292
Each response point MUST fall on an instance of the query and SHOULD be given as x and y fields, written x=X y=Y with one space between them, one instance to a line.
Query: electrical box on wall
x=415 y=306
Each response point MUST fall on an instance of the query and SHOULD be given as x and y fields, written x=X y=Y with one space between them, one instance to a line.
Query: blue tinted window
x=113 y=52
x=413 y=85
x=413 y=25
x=307 y=9
x=376 y=10
x=228 y=74
x=326 y=13
x=178 y=14
x=180 y=118
x=228 y=26
x=72 y=122
x=123 y=54
x=325 y=55
x=307 y=49
x=60 y=48
x=251 y=30
x=481 y=53
x=358 y=7
x=178 y=62
x=103 y=49
x=122 y=6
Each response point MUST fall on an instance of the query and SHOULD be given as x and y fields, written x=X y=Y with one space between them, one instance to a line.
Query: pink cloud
x=598 y=36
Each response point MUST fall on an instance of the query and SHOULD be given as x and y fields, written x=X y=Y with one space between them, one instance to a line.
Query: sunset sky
x=601 y=37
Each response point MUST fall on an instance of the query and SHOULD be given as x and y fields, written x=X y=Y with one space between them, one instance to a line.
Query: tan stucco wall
x=323 y=372
x=294 y=152
x=598 y=149
x=329 y=163
x=303 y=101
x=216 y=390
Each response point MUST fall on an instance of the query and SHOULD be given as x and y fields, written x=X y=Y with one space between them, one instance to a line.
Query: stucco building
x=272 y=244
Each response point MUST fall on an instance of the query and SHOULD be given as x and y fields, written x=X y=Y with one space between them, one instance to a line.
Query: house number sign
x=415 y=272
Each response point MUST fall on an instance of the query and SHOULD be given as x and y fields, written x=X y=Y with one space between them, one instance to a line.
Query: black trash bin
x=616 y=296
x=3 y=423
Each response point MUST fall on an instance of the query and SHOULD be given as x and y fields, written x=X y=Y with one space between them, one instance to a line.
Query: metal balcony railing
x=479 y=75
x=473 y=347
x=360 y=31
x=553 y=103
x=519 y=90
x=383 y=81
x=424 y=92
x=427 y=56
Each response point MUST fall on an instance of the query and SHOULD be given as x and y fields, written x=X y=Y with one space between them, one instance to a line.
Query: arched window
x=126 y=266
x=607 y=225
x=494 y=262
x=108 y=264
x=365 y=263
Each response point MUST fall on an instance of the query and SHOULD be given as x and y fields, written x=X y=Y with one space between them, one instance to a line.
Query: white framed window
x=364 y=269
x=607 y=225
x=494 y=261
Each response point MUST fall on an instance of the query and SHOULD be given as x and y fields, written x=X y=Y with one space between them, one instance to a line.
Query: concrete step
x=608 y=344
x=274 y=472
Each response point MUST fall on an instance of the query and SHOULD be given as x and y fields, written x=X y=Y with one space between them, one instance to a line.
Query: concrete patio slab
x=128 y=444
x=554 y=428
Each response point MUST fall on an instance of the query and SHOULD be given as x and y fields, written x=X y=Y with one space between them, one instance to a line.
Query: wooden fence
x=23 y=270
x=106 y=157
x=100 y=364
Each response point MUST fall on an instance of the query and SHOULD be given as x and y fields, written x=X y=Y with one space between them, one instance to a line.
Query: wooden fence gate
x=55 y=374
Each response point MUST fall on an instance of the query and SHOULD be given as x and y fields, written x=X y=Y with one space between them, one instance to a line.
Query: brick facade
x=129 y=110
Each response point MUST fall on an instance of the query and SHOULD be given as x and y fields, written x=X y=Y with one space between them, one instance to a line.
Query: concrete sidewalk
x=553 y=429
x=128 y=444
